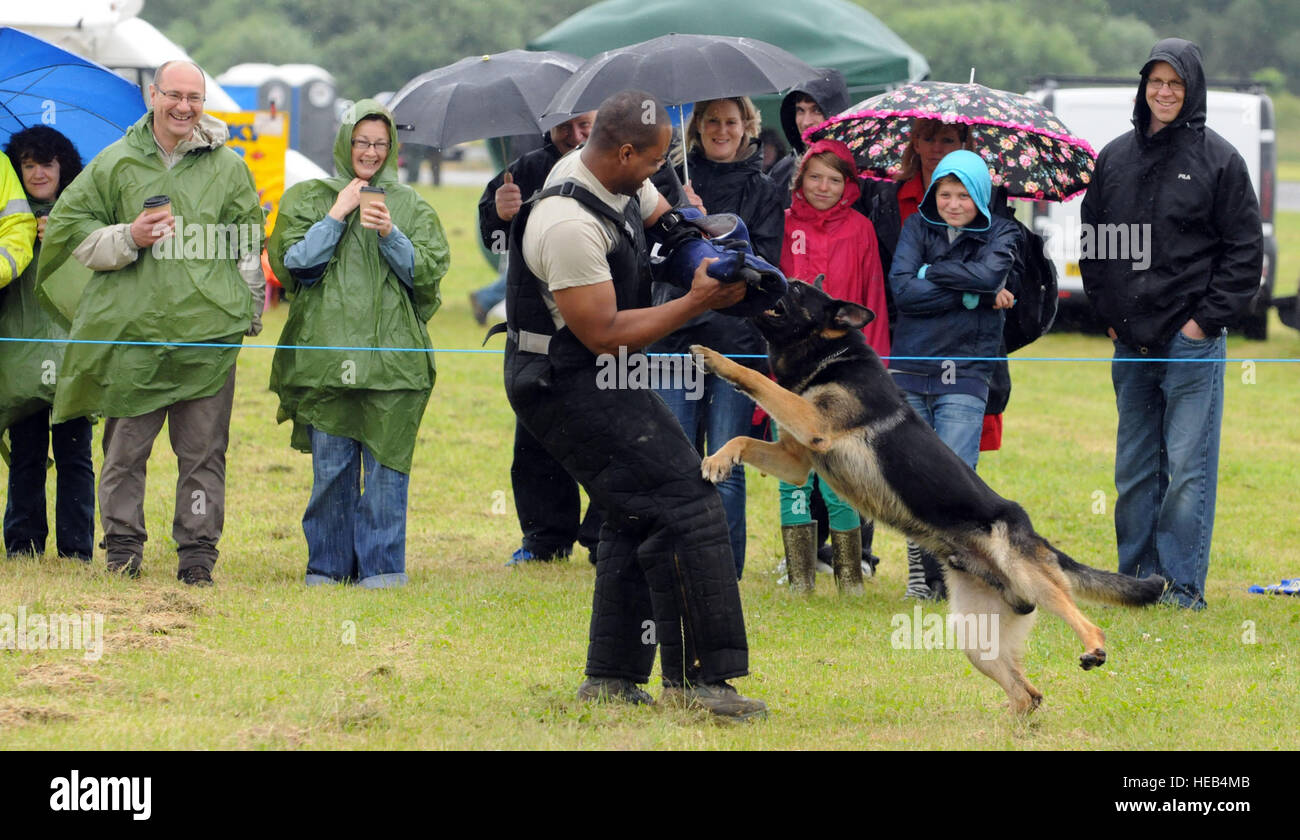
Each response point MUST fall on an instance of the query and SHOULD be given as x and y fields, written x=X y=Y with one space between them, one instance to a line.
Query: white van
x=1099 y=110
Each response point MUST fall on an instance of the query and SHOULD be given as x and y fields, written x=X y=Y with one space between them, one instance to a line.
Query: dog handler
x=582 y=289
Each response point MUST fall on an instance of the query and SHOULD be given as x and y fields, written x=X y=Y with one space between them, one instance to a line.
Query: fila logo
x=1183 y=176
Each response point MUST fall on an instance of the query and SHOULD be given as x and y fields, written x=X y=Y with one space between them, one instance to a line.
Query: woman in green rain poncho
x=357 y=278
x=47 y=162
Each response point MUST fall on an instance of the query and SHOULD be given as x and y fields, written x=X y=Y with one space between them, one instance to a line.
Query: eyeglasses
x=175 y=96
x=379 y=146
x=1174 y=87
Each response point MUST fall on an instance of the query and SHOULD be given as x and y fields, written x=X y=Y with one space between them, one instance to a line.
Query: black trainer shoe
x=195 y=576
x=603 y=689
x=716 y=698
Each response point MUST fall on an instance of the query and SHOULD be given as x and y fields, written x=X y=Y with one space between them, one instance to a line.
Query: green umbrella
x=824 y=33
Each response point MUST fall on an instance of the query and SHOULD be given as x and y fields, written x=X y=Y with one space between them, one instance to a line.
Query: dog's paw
x=1092 y=659
x=717 y=467
x=706 y=358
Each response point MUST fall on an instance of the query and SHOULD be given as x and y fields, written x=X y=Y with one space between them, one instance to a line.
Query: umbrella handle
x=686 y=164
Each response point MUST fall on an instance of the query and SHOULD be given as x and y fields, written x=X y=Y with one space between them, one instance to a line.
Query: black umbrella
x=678 y=69
x=483 y=96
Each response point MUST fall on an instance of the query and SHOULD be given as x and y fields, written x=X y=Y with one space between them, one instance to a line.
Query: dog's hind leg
x=792 y=412
x=1050 y=589
x=786 y=459
x=993 y=637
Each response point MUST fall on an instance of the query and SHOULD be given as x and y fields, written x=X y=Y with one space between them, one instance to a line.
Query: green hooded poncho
x=30 y=369
x=191 y=292
x=375 y=397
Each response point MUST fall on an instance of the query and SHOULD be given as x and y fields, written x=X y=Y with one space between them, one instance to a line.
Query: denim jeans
x=718 y=415
x=490 y=295
x=354 y=536
x=957 y=418
x=25 y=525
x=1167 y=461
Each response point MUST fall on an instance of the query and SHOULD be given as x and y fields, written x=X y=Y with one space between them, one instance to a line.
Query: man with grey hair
x=579 y=289
x=169 y=178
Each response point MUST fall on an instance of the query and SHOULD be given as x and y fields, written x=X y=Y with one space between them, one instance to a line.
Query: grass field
x=472 y=654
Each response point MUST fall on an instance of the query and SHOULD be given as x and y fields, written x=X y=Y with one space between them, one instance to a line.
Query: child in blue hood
x=949 y=283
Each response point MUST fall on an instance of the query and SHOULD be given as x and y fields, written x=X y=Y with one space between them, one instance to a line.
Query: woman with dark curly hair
x=46 y=161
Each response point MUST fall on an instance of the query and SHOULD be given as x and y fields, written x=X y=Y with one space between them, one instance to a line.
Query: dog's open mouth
x=776 y=311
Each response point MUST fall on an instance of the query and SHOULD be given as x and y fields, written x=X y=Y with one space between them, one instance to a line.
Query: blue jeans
x=354 y=536
x=718 y=415
x=490 y=295
x=1167 y=462
x=957 y=418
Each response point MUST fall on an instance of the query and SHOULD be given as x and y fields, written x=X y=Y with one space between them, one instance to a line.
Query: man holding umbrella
x=546 y=497
x=170 y=169
x=581 y=288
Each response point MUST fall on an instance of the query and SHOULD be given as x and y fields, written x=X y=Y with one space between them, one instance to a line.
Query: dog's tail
x=1108 y=587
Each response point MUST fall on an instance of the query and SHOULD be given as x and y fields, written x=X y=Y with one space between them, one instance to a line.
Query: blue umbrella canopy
x=41 y=84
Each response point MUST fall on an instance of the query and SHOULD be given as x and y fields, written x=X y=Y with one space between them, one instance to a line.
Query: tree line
x=371 y=45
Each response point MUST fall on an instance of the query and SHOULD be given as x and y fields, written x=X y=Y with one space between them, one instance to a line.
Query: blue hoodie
x=931 y=274
x=971 y=170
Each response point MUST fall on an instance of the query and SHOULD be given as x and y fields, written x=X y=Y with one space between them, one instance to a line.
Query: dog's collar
x=821 y=366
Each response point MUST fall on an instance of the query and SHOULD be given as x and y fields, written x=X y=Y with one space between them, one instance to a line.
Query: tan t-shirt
x=565 y=244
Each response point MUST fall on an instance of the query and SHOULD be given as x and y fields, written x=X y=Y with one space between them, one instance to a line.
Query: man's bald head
x=176 y=62
x=632 y=117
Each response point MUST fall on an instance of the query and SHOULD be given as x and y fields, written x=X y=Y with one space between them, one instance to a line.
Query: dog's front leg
x=792 y=412
x=786 y=459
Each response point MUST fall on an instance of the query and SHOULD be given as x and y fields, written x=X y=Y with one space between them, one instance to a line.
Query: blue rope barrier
x=224 y=346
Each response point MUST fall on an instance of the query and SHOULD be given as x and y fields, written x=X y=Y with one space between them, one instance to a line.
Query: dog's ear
x=817 y=283
x=851 y=316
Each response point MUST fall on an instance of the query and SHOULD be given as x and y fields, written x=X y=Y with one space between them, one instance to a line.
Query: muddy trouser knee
x=631 y=456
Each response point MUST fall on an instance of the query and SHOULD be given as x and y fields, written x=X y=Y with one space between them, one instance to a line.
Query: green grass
x=1286 y=116
x=472 y=654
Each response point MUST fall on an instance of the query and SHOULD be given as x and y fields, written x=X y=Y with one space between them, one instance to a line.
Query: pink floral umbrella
x=1028 y=150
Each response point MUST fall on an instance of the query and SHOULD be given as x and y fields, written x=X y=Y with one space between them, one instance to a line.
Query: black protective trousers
x=547 y=501
x=664 y=572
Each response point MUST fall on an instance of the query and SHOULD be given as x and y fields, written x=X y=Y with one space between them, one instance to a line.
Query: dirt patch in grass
x=57 y=676
x=13 y=713
x=273 y=735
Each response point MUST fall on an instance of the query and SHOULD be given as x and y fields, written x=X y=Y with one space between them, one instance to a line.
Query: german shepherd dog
x=841 y=415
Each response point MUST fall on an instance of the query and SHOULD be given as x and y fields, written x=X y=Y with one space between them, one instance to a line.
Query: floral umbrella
x=1028 y=150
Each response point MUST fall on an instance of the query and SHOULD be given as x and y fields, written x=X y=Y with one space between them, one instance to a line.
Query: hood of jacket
x=799 y=206
x=1185 y=58
x=343 y=143
x=209 y=133
x=830 y=93
x=971 y=169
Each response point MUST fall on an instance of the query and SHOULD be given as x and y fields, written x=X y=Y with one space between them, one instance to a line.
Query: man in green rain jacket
x=185 y=272
x=359 y=276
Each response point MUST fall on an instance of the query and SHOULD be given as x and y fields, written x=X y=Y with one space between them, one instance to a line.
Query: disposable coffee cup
x=371 y=195
x=157 y=202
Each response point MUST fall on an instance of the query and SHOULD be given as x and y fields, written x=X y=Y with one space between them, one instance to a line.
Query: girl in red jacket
x=825 y=235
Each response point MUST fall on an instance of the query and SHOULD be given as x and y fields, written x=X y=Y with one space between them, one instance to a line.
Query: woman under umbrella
x=725 y=165
x=47 y=162
x=358 y=276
